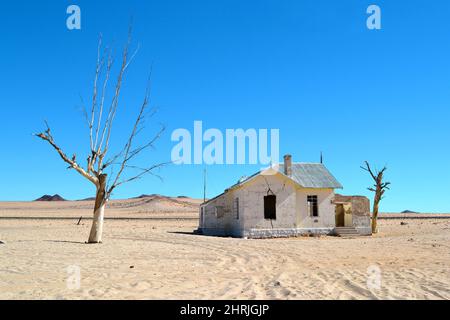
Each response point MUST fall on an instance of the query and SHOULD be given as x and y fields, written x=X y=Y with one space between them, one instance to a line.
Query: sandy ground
x=148 y=207
x=162 y=259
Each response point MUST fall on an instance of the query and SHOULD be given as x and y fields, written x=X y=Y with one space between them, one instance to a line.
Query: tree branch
x=368 y=169
x=143 y=172
x=114 y=103
x=98 y=69
x=47 y=136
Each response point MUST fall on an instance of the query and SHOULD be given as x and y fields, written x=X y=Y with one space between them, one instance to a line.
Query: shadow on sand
x=66 y=241
x=184 y=232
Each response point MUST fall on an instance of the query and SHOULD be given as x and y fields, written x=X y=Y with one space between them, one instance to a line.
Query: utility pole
x=204 y=185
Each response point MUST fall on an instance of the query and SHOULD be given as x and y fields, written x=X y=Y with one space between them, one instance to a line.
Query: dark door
x=340 y=215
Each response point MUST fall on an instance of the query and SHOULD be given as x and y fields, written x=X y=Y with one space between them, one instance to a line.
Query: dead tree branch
x=47 y=136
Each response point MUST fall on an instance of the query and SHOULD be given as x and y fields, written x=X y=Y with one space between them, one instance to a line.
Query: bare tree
x=100 y=124
x=379 y=188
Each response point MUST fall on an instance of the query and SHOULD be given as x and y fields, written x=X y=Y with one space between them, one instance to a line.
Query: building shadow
x=184 y=232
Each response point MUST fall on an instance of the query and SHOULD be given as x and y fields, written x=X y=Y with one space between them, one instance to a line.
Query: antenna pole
x=204 y=185
x=321 y=157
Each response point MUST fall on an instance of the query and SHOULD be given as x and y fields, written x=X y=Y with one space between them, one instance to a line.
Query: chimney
x=288 y=165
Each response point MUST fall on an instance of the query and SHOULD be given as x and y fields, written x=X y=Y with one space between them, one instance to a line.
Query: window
x=236 y=208
x=270 y=211
x=313 y=208
x=219 y=211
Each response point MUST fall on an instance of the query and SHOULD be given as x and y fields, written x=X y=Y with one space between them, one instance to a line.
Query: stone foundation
x=286 y=232
x=265 y=233
x=364 y=231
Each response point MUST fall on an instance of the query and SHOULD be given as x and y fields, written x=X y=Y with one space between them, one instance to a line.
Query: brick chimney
x=288 y=165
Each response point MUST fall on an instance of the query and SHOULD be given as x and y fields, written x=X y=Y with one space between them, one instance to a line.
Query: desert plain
x=149 y=251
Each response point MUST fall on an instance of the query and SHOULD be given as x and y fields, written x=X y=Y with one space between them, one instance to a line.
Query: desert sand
x=159 y=257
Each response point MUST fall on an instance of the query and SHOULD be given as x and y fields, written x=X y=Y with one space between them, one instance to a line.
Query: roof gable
x=307 y=175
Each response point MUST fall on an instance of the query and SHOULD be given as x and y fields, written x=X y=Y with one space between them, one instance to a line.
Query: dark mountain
x=47 y=197
x=409 y=211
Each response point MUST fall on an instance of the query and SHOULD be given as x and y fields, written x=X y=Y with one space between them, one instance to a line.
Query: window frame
x=219 y=212
x=270 y=214
x=312 y=203
x=236 y=208
x=202 y=214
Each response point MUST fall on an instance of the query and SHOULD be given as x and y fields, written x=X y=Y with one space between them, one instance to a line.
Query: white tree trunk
x=95 y=235
x=101 y=199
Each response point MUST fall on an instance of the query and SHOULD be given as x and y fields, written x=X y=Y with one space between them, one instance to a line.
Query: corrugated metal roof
x=312 y=175
x=307 y=175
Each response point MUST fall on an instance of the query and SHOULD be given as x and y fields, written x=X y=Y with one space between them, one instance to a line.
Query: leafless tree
x=100 y=124
x=379 y=188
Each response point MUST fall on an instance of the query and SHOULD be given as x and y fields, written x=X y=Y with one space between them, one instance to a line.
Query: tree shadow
x=66 y=241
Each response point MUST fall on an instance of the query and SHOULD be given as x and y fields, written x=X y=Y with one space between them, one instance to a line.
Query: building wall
x=292 y=216
x=252 y=195
x=361 y=215
x=326 y=218
x=219 y=218
x=360 y=212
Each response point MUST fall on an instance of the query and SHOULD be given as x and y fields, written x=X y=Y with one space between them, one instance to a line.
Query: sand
x=162 y=259
x=149 y=207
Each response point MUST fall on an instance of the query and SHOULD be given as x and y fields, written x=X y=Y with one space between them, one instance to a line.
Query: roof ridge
x=303 y=163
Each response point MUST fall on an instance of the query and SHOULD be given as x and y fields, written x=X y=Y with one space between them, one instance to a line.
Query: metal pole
x=204 y=185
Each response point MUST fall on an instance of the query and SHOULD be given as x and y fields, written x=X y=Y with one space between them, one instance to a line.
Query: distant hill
x=409 y=211
x=159 y=196
x=147 y=203
x=47 y=197
x=142 y=196
x=87 y=199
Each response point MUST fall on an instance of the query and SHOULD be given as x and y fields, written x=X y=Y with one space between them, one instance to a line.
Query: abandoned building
x=288 y=199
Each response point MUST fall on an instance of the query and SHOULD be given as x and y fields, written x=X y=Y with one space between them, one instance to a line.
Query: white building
x=285 y=200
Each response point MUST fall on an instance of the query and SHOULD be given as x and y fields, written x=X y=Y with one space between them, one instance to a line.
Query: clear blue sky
x=310 y=68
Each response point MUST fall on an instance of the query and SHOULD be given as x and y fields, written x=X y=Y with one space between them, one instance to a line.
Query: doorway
x=340 y=215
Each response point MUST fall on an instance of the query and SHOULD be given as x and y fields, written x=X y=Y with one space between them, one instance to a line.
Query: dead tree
x=107 y=173
x=379 y=188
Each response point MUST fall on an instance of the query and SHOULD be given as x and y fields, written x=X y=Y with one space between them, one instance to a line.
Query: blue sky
x=309 y=68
